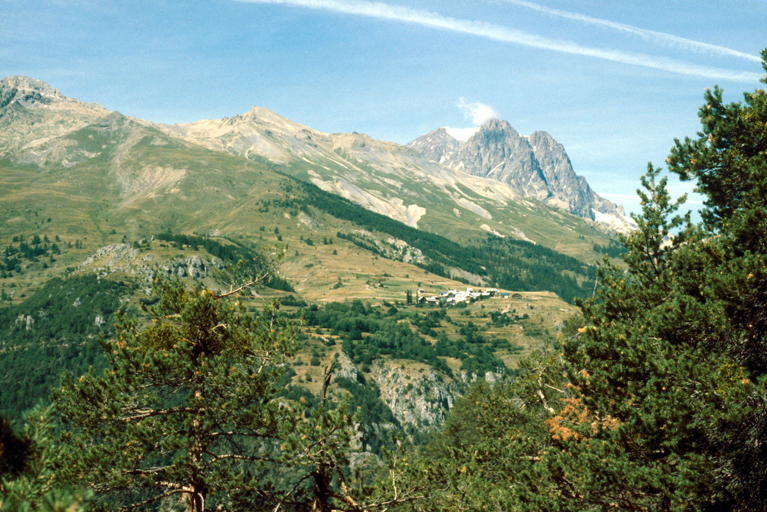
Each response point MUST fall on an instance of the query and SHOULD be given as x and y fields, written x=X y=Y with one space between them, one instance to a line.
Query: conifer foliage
x=184 y=408
x=670 y=364
x=29 y=481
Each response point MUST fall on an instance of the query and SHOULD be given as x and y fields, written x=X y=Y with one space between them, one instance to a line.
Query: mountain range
x=535 y=167
x=93 y=173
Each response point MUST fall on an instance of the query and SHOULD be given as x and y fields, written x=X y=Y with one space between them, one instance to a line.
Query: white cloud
x=477 y=113
x=648 y=35
x=461 y=134
x=502 y=34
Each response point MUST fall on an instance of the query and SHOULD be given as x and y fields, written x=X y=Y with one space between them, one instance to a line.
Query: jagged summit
x=536 y=166
x=436 y=144
x=25 y=86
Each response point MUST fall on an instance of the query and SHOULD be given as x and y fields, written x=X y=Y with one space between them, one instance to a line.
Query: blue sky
x=614 y=82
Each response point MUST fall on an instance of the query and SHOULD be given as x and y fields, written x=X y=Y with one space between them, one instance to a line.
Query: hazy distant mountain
x=536 y=166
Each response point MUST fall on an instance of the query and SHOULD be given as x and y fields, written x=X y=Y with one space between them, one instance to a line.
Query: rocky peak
x=496 y=131
x=436 y=145
x=498 y=152
x=25 y=89
x=536 y=166
x=264 y=117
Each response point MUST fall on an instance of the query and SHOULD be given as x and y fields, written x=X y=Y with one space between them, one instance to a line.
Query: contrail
x=502 y=34
x=657 y=37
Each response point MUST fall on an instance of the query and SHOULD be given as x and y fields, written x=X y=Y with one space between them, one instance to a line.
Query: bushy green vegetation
x=370 y=333
x=29 y=480
x=36 y=250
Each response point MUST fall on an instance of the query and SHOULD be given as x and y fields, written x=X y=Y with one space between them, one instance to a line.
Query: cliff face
x=536 y=166
x=421 y=401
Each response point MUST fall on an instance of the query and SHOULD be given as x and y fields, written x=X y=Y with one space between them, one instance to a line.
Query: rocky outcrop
x=124 y=258
x=422 y=401
x=536 y=166
x=112 y=258
x=436 y=145
x=191 y=266
x=345 y=367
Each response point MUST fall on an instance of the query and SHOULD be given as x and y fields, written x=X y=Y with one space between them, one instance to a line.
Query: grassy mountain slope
x=92 y=180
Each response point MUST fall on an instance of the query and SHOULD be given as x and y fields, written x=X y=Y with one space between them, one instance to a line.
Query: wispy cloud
x=476 y=112
x=503 y=34
x=660 y=38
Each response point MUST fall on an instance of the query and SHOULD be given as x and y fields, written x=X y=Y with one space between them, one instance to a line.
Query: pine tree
x=186 y=406
x=728 y=160
x=28 y=477
x=188 y=410
x=672 y=362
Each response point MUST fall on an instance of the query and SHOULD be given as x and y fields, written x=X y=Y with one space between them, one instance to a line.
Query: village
x=455 y=297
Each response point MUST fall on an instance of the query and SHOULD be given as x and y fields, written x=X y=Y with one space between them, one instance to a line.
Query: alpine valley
x=376 y=239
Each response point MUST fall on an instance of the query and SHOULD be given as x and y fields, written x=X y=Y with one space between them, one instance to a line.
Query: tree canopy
x=183 y=407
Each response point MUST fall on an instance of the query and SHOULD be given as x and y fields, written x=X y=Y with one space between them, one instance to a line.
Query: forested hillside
x=52 y=331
